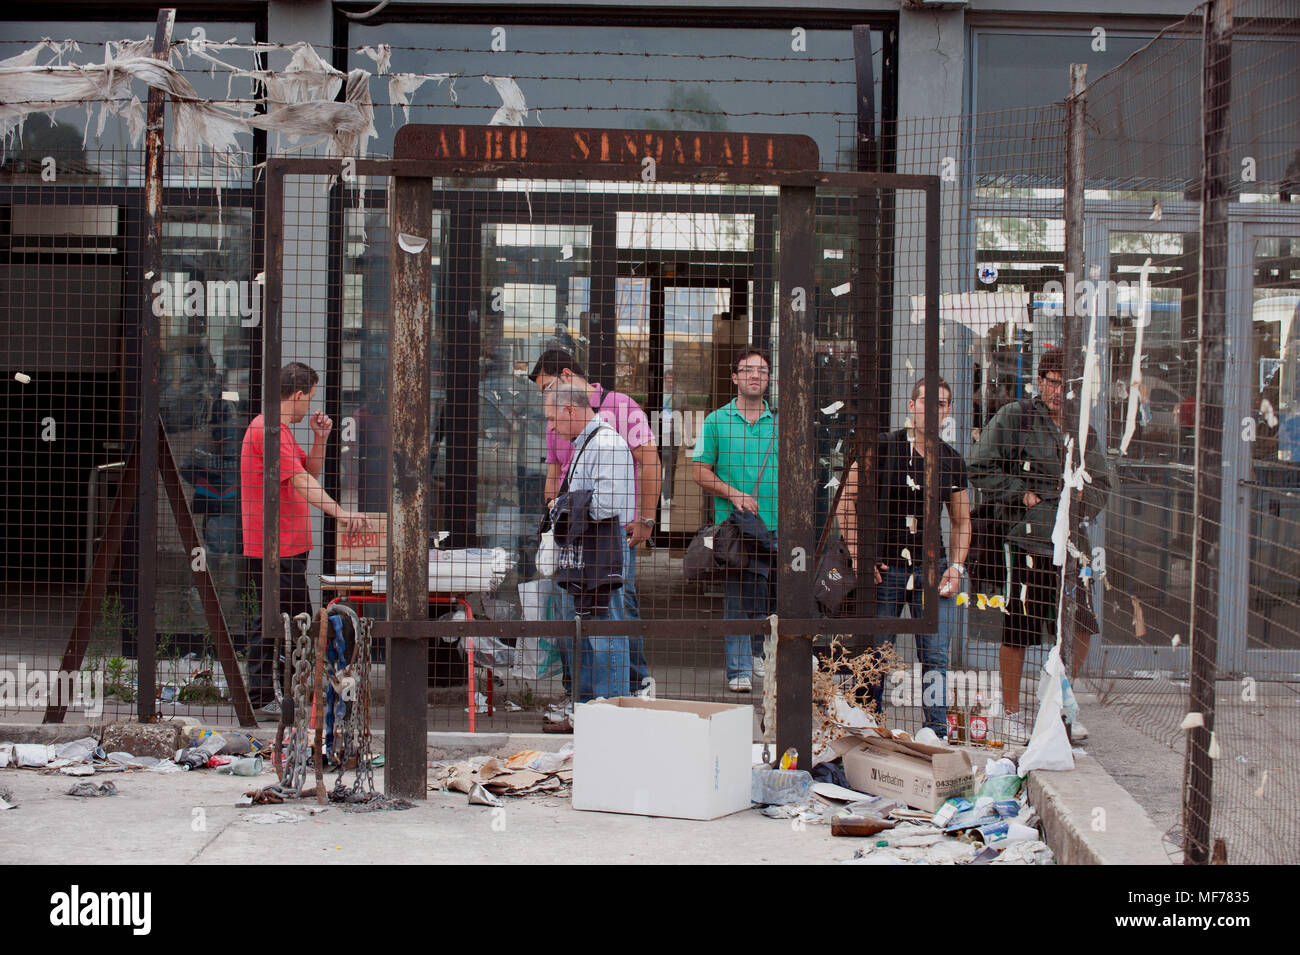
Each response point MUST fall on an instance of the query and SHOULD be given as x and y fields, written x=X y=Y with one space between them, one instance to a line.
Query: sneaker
x=270 y=709
x=647 y=691
x=740 y=684
x=1078 y=732
x=1015 y=729
x=760 y=667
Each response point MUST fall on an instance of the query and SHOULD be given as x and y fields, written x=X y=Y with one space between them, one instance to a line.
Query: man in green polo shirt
x=735 y=461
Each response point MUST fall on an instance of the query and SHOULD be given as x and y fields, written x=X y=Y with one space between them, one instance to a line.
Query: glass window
x=84 y=153
x=1275 y=372
x=1164 y=414
x=1014 y=254
x=623 y=77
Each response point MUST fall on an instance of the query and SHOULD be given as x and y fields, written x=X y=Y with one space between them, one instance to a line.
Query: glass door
x=1273 y=408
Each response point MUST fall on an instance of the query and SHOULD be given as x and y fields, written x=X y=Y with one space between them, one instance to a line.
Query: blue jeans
x=931 y=648
x=747 y=596
x=623 y=605
x=601 y=655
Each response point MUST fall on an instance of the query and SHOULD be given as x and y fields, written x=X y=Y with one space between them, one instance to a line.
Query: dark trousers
x=294 y=599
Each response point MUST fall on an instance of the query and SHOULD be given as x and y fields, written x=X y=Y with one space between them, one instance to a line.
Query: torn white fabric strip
x=1135 y=375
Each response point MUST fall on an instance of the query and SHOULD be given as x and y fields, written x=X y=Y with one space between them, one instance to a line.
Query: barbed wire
x=184 y=44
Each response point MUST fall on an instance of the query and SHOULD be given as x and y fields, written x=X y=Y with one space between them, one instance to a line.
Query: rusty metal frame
x=787 y=162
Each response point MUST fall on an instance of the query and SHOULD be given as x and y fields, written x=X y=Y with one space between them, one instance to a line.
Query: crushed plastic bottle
x=777 y=787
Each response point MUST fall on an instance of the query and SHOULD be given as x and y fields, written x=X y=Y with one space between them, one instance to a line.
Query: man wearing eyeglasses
x=1019 y=464
x=735 y=461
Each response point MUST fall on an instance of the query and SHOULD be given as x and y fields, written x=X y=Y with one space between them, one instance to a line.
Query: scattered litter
x=828 y=790
x=90 y=789
x=22 y=379
x=1176 y=640
x=833 y=408
x=480 y=703
x=368 y=802
x=478 y=796
x=1139 y=622
x=1192 y=721
x=78 y=770
x=1259 y=793
x=1025 y=853
x=1000 y=767
x=524 y=773
x=282 y=815
x=36 y=755
x=839 y=290
x=7 y=799
x=512 y=706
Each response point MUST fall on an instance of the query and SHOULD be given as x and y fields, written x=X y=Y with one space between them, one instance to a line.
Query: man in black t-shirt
x=901 y=524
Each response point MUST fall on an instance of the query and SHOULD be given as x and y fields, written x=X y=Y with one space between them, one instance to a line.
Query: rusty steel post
x=796 y=460
x=1073 y=346
x=930 y=536
x=272 y=338
x=411 y=271
x=1216 y=95
x=212 y=612
x=147 y=489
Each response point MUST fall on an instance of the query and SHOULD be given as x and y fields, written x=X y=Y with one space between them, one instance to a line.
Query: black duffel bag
x=714 y=552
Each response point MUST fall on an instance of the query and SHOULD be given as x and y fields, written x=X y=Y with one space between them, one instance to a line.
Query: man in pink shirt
x=299 y=487
x=632 y=424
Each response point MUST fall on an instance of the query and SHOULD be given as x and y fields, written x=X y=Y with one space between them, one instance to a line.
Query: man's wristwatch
x=961 y=568
x=648 y=522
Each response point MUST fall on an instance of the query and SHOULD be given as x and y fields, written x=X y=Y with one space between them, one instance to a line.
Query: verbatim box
x=922 y=776
x=673 y=758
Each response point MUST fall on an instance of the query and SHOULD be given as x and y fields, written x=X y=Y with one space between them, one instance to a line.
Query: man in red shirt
x=299 y=487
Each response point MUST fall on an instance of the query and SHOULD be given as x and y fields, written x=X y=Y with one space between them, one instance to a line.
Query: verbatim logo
x=77 y=908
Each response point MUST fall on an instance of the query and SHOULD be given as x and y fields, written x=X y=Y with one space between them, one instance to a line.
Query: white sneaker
x=740 y=684
x=647 y=691
x=1078 y=732
x=760 y=667
x=1015 y=729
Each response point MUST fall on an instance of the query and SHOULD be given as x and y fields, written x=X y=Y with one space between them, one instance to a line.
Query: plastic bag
x=1049 y=747
x=1001 y=787
x=535 y=597
x=547 y=555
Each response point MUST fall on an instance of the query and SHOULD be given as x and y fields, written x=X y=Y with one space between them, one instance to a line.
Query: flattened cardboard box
x=674 y=758
x=921 y=776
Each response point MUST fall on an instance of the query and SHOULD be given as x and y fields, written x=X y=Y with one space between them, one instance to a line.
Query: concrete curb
x=49 y=733
x=1088 y=819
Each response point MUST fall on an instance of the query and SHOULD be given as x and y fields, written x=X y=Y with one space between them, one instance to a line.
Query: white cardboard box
x=673 y=758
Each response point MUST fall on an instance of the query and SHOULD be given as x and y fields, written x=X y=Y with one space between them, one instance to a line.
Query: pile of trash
x=991 y=823
x=484 y=779
x=235 y=753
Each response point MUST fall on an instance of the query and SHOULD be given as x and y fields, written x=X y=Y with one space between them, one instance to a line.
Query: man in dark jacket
x=900 y=508
x=1018 y=464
